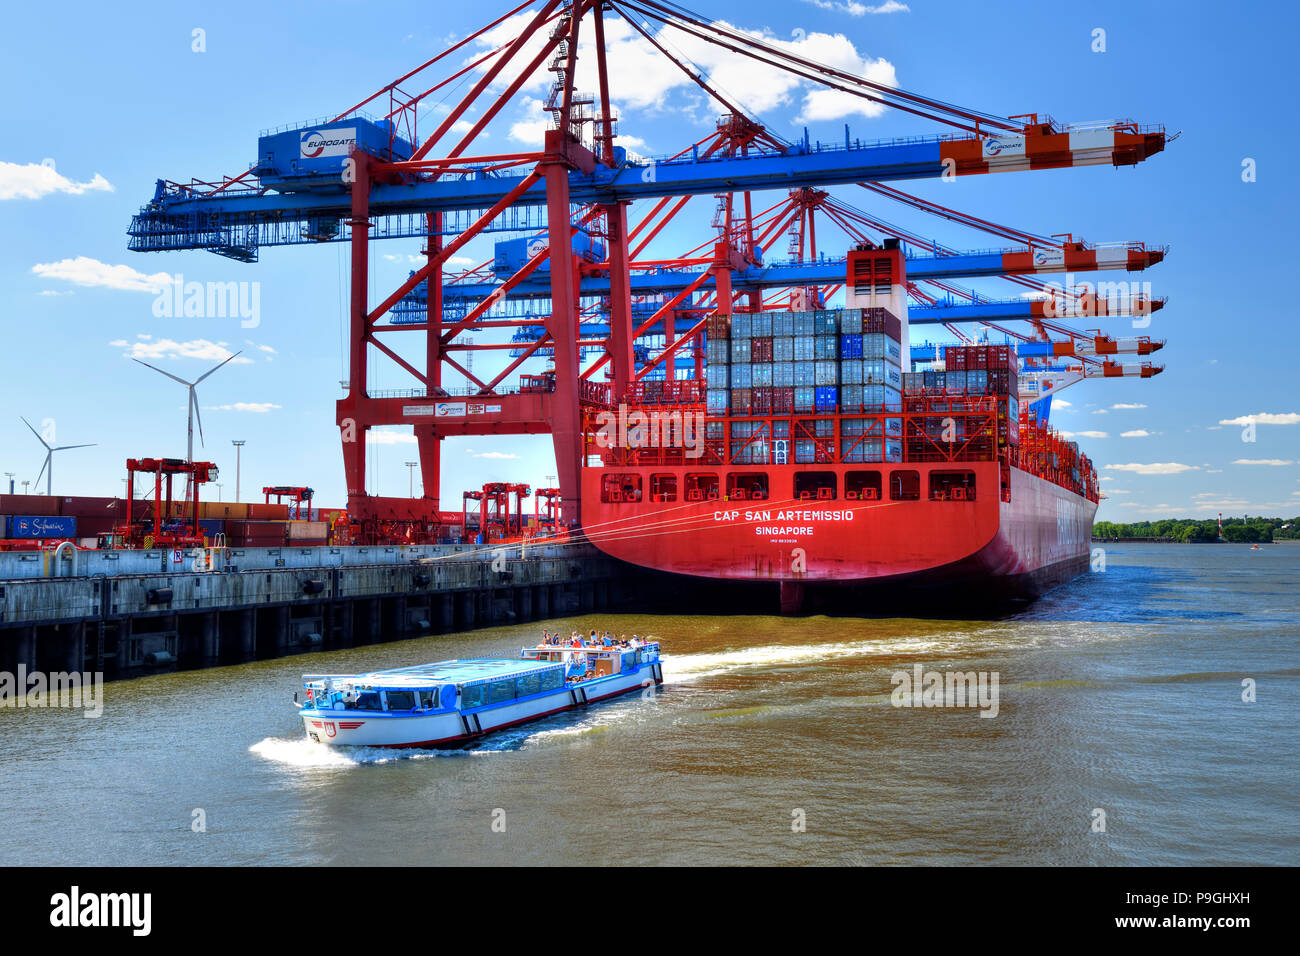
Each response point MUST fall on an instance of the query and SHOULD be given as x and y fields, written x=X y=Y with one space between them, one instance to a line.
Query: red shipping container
x=881 y=320
x=83 y=507
x=267 y=512
x=955 y=358
x=44 y=506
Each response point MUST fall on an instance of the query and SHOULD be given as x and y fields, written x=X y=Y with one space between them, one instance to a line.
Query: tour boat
x=447 y=703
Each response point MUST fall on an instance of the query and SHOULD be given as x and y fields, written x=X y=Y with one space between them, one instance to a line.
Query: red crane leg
x=620 y=299
x=566 y=430
x=427 y=439
x=352 y=431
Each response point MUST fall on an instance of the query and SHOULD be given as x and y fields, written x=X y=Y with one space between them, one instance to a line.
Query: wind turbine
x=49 y=458
x=193 y=404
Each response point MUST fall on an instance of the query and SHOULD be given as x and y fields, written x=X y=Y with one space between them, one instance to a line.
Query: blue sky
x=116 y=98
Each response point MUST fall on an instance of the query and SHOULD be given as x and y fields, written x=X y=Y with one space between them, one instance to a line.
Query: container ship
x=806 y=461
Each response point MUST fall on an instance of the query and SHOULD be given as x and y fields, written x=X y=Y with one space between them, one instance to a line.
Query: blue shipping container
x=42 y=526
x=295 y=157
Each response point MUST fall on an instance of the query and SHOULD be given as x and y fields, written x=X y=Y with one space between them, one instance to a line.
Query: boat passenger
x=607 y=641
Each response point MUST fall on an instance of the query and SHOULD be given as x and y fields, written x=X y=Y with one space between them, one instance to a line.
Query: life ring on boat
x=447 y=695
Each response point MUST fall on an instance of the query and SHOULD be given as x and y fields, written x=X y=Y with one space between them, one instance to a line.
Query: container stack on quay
x=37 y=521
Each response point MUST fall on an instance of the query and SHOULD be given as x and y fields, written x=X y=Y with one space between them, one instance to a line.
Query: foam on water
x=682 y=668
x=303 y=754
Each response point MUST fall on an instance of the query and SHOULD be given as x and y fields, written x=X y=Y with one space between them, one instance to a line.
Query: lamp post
x=10 y=476
x=410 y=465
x=239 y=444
x=219 y=487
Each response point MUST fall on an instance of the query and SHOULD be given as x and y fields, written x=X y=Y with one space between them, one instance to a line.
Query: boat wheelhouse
x=447 y=703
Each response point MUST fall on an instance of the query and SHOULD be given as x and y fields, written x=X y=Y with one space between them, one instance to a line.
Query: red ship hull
x=986 y=546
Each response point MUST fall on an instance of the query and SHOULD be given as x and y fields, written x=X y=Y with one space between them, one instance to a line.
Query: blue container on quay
x=41 y=526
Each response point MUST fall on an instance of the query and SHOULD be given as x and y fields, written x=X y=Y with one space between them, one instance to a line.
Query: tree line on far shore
x=1187 y=530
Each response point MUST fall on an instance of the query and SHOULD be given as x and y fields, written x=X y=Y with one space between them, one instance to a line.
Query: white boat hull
x=355 y=728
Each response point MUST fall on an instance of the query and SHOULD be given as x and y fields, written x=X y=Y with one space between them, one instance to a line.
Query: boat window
x=620 y=487
x=530 y=684
x=472 y=696
x=904 y=485
x=663 y=487
x=701 y=487
x=400 y=699
x=952 y=485
x=552 y=679
x=501 y=690
x=367 y=700
x=747 y=486
x=862 y=485
x=812 y=485
x=428 y=699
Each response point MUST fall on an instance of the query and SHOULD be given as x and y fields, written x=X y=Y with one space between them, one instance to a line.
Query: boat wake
x=304 y=754
x=682 y=668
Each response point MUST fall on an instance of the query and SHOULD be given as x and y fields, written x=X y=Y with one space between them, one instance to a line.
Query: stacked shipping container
x=779 y=363
x=803 y=364
x=30 y=518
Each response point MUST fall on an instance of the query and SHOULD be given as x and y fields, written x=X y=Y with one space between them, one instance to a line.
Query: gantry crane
x=356 y=179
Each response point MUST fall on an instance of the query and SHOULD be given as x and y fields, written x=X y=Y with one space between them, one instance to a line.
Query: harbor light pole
x=239 y=444
x=410 y=470
x=10 y=476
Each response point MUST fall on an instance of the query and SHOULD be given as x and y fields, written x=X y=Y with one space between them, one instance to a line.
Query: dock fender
x=658 y=670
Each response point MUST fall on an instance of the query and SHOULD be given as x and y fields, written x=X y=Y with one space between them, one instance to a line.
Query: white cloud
x=145 y=349
x=1262 y=461
x=1100 y=411
x=260 y=408
x=1154 y=468
x=1061 y=403
x=85 y=271
x=57 y=292
x=1092 y=434
x=1265 y=418
x=1135 y=433
x=379 y=436
x=531 y=132
x=855 y=9
x=1128 y=405
x=492 y=454
x=643 y=77
x=34 y=180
